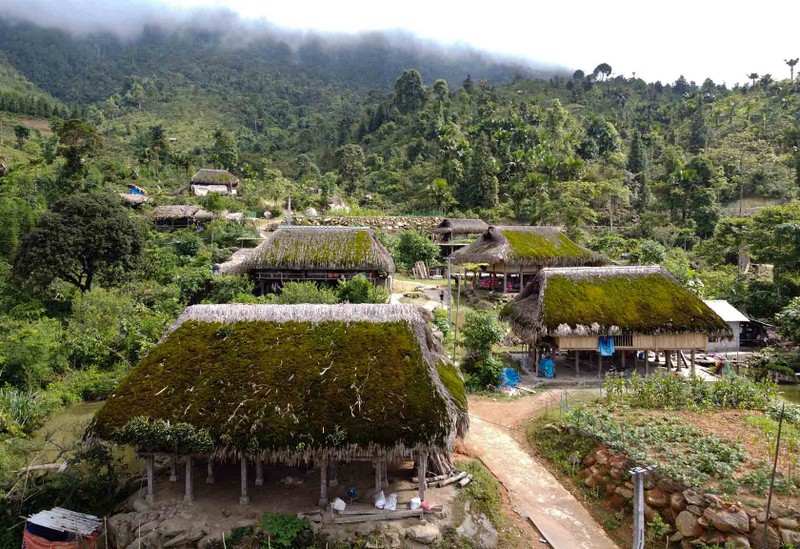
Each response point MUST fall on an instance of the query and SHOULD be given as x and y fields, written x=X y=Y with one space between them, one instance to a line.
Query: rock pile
x=696 y=519
x=379 y=223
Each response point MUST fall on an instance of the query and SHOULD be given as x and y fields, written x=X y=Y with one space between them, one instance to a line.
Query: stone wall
x=379 y=223
x=695 y=517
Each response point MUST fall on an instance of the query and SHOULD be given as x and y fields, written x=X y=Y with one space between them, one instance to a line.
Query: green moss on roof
x=289 y=386
x=454 y=384
x=321 y=248
x=649 y=303
x=213 y=177
x=531 y=245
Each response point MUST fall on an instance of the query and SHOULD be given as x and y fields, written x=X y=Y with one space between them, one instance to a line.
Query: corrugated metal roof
x=725 y=310
x=64 y=520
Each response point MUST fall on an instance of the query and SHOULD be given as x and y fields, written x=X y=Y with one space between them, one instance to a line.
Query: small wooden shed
x=180 y=216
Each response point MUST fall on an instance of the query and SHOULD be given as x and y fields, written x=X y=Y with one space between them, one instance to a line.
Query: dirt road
x=535 y=492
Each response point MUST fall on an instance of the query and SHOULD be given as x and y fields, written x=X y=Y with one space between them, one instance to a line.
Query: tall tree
x=753 y=76
x=603 y=69
x=409 y=93
x=791 y=63
x=81 y=237
x=637 y=165
x=224 y=151
x=350 y=164
x=77 y=140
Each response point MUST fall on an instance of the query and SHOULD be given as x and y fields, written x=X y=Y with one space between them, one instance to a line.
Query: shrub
x=441 y=321
x=483 y=490
x=361 y=290
x=162 y=436
x=481 y=331
x=285 y=530
x=788 y=321
x=412 y=246
x=482 y=373
x=304 y=292
x=21 y=410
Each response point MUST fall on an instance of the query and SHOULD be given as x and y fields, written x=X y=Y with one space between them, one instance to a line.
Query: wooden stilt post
x=323 y=483
x=505 y=279
x=599 y=365
x=333 y=474
x=188 y=496
x=577 y=363
x=243 y=499
x=692 y=358
x=173 y=469
x=421 y=473
x=210 y=471
x=384 y=473
x=378 y=474
x=624 y=353
x=668 y=360
x=259 y=473
x=646 y=362
x=150 y=481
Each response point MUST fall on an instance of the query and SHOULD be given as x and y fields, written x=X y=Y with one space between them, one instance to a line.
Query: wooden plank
x=387 y=515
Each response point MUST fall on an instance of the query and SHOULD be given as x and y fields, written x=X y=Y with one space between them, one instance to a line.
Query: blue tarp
x=547 y=368
x=605 y=345
x=509 y=378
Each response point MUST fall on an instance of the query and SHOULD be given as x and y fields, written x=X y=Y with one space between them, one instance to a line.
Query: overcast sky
x=656 y=40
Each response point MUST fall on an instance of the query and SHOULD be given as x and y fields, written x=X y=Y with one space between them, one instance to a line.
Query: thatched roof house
x=279 y=380
x=134 y=199
x=180 y=216
x=640 y=307
x=318 y=253
x=291 y=384
x=515 y=252
x=452 y=227
x=206 y=181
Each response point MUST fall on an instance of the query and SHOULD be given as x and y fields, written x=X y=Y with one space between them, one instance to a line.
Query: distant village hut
x=509 y=256
x=452 y=234
x=180 y=216
x=136 y=196
x=318 y=254
x=207 y=181
x=735 y=319
x=290 y=384
x=612 y=311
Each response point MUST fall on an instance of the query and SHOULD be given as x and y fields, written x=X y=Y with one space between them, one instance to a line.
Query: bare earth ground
x=535 y=493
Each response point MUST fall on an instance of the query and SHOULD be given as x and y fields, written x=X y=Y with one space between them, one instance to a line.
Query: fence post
x=638 y=506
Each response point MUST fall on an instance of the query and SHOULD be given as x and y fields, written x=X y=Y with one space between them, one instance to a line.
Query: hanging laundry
x=605 y=345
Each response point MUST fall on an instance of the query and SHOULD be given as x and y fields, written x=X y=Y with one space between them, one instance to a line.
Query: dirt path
x=535 y=492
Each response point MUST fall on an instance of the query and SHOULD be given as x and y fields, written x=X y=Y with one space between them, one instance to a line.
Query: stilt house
x=290 y=384
x=629 y=308
x=510 y=256
x=319 y=254
x=452 y=234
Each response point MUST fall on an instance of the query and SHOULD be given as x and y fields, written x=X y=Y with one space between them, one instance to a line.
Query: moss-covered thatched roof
x=460 y=226
x=180 y=211
x=607 y=301
x=523 y=246
x=322 y=249
x=297 y=382
x=208 y=176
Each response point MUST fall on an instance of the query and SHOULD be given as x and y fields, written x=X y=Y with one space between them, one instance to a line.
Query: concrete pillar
x=150 y=460
x=210 y=474
x=243 y=499
x=422 y=473
x=323 y=483
x=188 y=496
x=259 y=473
x=173 y=469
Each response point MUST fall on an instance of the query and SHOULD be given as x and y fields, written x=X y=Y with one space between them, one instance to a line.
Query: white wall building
x=734 y=318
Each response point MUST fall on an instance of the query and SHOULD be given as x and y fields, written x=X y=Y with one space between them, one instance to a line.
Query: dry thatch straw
x=589 y=301
x=182 y=211
x=207 y=176
x=295 y=383
x=320 y=248
x=134 y=199
x=461 y=226
x=526 y=246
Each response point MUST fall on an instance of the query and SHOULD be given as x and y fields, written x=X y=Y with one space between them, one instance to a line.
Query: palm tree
x=752 y=76
x=792 y=63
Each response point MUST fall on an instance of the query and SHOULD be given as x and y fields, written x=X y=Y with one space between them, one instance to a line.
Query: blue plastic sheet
x=605 y=345
x=547 y=368
x=509 y=378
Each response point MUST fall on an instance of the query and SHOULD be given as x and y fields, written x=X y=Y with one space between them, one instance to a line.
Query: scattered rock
x=687 y=524
x=423 y=533
x=730 y=520
x=773 y=538
x=175 y=526
x=790 y=538
x=624 y=492
x=656 y=498
x=786 y=522
x=738 y=541
x=677 y=502
x=479 y=529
